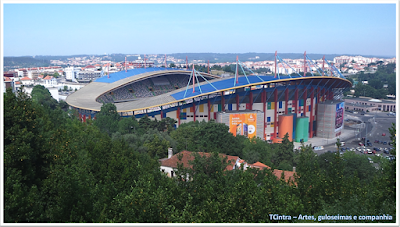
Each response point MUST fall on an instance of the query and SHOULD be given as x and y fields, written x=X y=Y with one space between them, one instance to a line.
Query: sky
x=69 y=29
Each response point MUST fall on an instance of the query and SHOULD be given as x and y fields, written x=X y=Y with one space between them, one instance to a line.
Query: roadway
x=376 y=123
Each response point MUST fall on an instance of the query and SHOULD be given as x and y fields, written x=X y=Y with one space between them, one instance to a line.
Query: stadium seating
x=146 y=88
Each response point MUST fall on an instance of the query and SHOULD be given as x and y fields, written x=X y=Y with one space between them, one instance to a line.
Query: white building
x=70 y=73
x=50 y=81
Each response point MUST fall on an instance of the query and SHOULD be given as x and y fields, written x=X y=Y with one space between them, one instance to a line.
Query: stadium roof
x=85 y=98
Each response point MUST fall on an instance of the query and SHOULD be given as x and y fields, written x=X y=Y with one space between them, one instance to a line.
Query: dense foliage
x=385 y=74
x=59 y=169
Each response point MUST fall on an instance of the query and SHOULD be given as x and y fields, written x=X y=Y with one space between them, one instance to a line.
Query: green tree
x=41 y=95
x=107 y=119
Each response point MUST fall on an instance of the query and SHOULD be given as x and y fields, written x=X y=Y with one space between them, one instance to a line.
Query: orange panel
x=285 y=126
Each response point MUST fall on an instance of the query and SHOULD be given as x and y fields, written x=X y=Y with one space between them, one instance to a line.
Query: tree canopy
x=58 y=169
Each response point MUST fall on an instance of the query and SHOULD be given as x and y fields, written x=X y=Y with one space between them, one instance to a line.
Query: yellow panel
x=272 y=105
x=201 y=109
x=212 y=108
x=184 y=110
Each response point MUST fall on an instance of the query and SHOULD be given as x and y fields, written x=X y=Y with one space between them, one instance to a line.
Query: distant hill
x=44 y=60
x=231 y=57
x=27 y=61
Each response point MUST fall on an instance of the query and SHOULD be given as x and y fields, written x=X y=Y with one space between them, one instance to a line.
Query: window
x=172 y=173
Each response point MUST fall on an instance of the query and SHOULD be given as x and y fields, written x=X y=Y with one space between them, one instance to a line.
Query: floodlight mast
x=236 y=73
x=193 y=76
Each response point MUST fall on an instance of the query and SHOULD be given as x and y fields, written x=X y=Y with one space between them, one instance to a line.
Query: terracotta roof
x=26 y=78
x=40 y=76
x=288 y=174
x=17 y=82
x=187 y=156
x=89 y=66
x=7 y=79
x=48 y=78
x=259 y=165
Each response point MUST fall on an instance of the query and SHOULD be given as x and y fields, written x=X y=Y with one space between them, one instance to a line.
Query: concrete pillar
x=178 y=114
x=194 y=110
x=275 y=111
x=251 y=100
x=209 y=109
x=311 y=113
x=222 y=101
x=237 y=102
x=305 y=101
x=264 y=100
x=286 y=100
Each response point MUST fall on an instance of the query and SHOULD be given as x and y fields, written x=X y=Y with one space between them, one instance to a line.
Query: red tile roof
x=26 y=78
x=7 y=79
x=188 y=156
x=89 y=66
x=288 y=174
x=48 y=78
x=185 y=156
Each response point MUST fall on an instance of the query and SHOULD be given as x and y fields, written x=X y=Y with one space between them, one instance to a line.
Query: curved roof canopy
x=85 y=98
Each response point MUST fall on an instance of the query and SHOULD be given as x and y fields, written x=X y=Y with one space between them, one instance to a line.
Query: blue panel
x=225 y=84
x=130 y=73
x=309 y=108
x=268 y=119
x=230 y=106
x=280 y=104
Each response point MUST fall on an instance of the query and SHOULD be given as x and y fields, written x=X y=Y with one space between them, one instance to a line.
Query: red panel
x=248 y=106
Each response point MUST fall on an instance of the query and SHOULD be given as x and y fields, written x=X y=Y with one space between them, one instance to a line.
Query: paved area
x=374 y=125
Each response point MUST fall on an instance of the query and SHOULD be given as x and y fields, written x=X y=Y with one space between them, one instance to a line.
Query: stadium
x=266 y=106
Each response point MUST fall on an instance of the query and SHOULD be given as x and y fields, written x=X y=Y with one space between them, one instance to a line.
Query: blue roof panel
x=224 y=84
x=132 y=72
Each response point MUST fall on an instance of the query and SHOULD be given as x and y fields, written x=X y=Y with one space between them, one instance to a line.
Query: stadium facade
x=265 y=106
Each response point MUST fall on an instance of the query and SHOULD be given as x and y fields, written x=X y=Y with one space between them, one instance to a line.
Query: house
x=26 y=81
x=50 y=81
x=8 y=83
x=169 y=165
